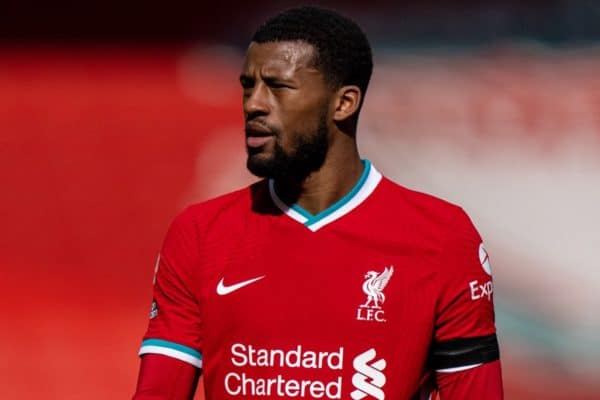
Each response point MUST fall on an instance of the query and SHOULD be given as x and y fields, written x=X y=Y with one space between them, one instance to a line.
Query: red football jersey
x=367 y=299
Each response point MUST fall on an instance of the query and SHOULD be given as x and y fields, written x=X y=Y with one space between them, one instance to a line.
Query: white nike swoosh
x=223 y=290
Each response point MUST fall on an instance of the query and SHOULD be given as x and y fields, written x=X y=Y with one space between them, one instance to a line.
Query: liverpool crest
x=373 y=287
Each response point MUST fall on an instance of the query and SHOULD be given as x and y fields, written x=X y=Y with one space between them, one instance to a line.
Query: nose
x=256 y=101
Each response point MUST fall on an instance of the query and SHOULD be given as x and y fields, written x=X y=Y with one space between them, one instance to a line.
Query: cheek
x=301 y=120
x=299 y=116
x=287 y=140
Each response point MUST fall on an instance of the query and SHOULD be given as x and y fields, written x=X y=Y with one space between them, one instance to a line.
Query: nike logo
x=223 y=290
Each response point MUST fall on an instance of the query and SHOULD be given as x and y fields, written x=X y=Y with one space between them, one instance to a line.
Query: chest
x=326 y=287
x=321 y=307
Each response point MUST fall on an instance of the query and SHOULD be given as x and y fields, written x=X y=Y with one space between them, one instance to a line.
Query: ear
x=347 y=102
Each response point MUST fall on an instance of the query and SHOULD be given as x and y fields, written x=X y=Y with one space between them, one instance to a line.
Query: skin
x=284 y=98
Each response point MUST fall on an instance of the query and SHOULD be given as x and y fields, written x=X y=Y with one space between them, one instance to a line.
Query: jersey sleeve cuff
x=173 y=350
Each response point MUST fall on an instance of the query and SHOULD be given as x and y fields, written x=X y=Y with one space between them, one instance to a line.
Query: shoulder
x=423 y=209
x=210 y=227
x=444 y=229
x=227 y=207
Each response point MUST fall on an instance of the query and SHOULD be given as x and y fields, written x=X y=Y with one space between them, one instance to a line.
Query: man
x=325 y=280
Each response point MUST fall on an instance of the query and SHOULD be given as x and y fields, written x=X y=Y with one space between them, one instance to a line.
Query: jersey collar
x=367 y=183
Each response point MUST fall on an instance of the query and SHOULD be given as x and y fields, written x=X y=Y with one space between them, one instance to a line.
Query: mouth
x=257 y=134
x=255 y=128
x=257 y=141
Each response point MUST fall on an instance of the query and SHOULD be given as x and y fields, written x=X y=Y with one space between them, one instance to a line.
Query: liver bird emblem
x=374 y=285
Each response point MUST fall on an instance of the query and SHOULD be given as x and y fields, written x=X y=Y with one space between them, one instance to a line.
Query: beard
x=307 y=155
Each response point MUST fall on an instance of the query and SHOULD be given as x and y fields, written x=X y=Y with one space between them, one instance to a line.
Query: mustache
x=259 y=128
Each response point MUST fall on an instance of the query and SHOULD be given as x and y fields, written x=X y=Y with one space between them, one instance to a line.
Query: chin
x=260 y=157
x=260 y=165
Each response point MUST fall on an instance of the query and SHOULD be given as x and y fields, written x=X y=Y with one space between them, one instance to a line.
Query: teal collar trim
x=367 y=182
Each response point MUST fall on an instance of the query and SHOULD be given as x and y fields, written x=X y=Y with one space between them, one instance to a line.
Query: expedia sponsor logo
x=481 y=290
x=250 y=376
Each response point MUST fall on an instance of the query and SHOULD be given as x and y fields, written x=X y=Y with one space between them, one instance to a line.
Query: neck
x=322 y=188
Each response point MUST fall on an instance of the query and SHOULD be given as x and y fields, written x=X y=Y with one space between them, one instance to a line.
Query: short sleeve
x=175 y=322
x=465 y=332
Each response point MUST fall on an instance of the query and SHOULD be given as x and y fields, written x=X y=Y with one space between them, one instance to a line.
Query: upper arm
x=175 y=325
x=465 y=347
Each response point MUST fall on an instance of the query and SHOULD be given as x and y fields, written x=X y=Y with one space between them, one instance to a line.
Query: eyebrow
x=267 y=77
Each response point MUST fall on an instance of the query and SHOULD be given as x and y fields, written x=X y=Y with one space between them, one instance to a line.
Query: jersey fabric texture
x=372 y=298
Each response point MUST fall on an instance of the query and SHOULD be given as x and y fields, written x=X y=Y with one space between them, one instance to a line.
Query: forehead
x=279 y=57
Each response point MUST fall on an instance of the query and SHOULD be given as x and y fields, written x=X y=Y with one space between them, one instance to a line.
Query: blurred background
x=116 y=115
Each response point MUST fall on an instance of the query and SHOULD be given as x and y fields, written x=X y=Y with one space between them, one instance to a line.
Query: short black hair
x=343 y=50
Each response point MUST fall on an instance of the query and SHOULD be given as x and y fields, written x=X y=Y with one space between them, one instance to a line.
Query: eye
x=276 y=84
x=247 y=83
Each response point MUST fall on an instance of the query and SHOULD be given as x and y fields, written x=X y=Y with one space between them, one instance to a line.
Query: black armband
x=462 y=352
